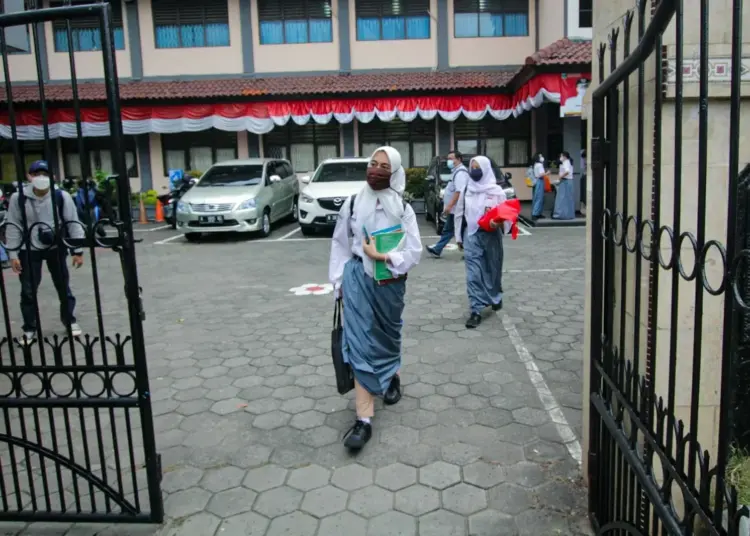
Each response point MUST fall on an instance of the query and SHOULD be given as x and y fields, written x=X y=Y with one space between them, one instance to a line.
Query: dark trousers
x=31 y=276
x=448 y=232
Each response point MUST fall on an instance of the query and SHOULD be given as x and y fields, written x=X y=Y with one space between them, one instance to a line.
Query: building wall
x=551 y=23
x=606 y=17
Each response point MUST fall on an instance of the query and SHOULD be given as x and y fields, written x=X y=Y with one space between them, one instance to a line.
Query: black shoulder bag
x=344 y=373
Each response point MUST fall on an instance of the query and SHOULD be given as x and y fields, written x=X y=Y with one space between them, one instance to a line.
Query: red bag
x=505 y=211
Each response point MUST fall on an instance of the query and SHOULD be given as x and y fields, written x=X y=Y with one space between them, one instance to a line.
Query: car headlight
x=307 y=199
x=182 y=207
x=250 y=203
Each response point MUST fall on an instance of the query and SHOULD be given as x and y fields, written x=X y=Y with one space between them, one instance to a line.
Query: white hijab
x=391 y=199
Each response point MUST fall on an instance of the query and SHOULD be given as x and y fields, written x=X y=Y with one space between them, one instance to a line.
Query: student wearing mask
x=373 y=310
x=537 y=195
x=32 y=241
x=565 y=204
x=453 y=190
x=483 y=251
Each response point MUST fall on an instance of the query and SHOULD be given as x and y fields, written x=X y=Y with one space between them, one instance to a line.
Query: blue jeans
x=3 y=254
x=448 y=231
x=537 y=199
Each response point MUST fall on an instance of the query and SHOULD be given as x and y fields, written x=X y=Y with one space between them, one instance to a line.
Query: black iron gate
x=669 y=286
x=76 y=428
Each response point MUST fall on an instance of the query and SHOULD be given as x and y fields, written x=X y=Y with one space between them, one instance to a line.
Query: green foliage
x=416 y=182
x=149 y=198
x=194 y=174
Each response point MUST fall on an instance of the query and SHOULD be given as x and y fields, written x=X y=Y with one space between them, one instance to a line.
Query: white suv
x=323 y=195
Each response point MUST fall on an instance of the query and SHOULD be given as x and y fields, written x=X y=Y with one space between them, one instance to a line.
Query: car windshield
x=445 y=172
x=341 y=171
x=242 y=175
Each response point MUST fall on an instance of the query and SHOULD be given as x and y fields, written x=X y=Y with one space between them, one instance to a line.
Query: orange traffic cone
x=159 y=212
x=142 y=209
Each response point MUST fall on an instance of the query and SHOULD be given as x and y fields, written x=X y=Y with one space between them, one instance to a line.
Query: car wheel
x=307 y=230
x=265 y=224
x=192 y=237
x=295 y=209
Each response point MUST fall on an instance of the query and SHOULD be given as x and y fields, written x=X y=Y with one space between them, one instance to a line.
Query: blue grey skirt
x=372 y=327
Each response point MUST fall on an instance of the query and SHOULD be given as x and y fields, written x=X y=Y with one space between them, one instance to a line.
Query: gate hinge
x=599 y=152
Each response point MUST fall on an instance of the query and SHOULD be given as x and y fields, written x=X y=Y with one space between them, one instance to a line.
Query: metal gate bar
x=85 y=385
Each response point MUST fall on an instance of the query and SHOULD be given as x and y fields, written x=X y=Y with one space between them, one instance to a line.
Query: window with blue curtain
x=295 y=21
x=391 y=20
x=85 y=32
x=491 y=18
x=190 y=23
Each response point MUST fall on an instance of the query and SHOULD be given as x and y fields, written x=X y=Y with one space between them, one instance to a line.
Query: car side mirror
x=275 y=178
x=305 y=179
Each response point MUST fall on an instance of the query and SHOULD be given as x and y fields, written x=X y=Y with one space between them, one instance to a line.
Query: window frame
x=411 y=138
x=190 y=140
x=94 y=146
x=86 y=23
x=585 y=12
x=283 y=20
x=204 y=22
x=478 y=11
x=488 y=129
x=405 y=8
x=289 y=141
x=27 y=148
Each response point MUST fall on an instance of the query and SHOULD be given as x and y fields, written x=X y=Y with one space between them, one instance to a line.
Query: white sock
x=365 y=420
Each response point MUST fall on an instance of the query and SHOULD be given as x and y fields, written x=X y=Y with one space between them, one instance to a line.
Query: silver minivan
x=239 y=196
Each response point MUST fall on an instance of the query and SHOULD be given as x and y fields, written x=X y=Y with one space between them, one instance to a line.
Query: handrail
x=32 y=16
x=659 y=22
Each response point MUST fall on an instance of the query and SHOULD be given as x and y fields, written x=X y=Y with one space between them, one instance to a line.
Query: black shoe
x=431 y=250
x=393 y=394
x=497 y=306
x=358 y=435
x=474 y=321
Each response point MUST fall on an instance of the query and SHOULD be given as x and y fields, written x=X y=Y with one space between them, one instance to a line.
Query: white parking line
x=290 y=233
x=522 y=230
x=167 y=240
x=153 y=229
x=550 y=403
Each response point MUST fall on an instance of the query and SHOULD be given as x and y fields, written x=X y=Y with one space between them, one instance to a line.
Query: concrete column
x=134 y=40
x=253 y=145
x=443 y=53
x=347 y=131
x=345 y=50
x=246 y=26
x=143 y=146
x=444 y=144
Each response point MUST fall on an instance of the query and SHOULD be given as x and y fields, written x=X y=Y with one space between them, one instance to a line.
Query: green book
x=385 y=243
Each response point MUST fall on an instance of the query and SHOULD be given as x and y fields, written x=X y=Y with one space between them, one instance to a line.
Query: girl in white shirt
x=565 y=204
x=537 y=196
x=372 y=318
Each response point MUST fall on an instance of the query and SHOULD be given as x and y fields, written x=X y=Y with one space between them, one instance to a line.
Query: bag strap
x=337 y=313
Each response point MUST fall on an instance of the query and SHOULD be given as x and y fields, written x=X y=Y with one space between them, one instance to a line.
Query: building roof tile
x=562 y=52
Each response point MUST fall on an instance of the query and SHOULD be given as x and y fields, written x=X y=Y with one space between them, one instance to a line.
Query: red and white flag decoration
x=262 y=117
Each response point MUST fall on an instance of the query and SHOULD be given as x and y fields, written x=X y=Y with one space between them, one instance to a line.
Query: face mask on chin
x=378 y=179
x=40 y=182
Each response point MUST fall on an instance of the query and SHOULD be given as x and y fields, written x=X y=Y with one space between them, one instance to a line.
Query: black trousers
x=31 y=276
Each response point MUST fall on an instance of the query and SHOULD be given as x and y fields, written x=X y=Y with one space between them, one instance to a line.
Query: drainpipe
x=536 y=22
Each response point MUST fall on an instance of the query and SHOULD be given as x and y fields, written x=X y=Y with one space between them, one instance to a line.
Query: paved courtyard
x=249 y=423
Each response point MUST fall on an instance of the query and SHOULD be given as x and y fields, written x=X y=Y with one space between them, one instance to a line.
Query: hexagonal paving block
x=502 y=453
x=510 y=499
x=417 y=500
x=490 y=357
x=225 y=407
x=310 y=477
x=486 y=389
x=439 y=475
x=396 y=476
x=371 y=501
x=181 y=478
x=216 y=480
x=520 y=434
x=530 y=416
x=471 y=402
x=392 y=524
x=399 y=436
x=324 y=501
x=526 y=474
x=452 y=390
x=559 y=496
x=418 y=419
x=296 y=523
x=484 y=475
x=231 y=502
x=297 y=405
x=460 y=453
x=271 y=420
x=352 y=477
x=491 y=523
x=545 y=451
x=186 y=502
x=307 y=420
x=436 y=403
x=222 y=394
x=419 y=390
x=464 y=499
x=247 y=524
x=419 y=455
x=278 y=501
x=343 y=523
x=265 y=478
x=535 y=522
x=320 y=436
x=202 y=523
x=442 y=523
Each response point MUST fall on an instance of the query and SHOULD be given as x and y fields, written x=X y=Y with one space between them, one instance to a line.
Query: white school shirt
x=475 y=212
x=566 y=166
x=348 y=236
x=538 y=170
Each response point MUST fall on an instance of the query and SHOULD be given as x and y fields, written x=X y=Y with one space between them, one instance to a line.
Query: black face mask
x=476 y=174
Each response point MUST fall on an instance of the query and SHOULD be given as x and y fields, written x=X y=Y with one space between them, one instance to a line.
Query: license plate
x=212 y=219
x=332 y=217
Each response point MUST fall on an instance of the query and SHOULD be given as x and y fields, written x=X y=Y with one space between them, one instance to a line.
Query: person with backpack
x=32 y=239
x=457 y=184
x=373 y=309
